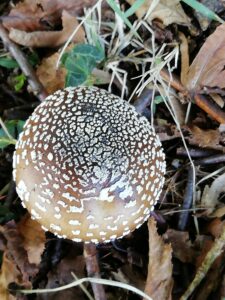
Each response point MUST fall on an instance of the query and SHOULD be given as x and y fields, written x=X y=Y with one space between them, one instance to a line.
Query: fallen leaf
x=166 y=10
x=33 y=239
x=52 y=78
x=34 y=15
x=182 y=246
x=9 y=273
x=207 y=69
x=15 y=248
x=210 y=195
x=62 y=275
x=207 y=138
x=159 y=280
x=214 y=227
x=49 y=38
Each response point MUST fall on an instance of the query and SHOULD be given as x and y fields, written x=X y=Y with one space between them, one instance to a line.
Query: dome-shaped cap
x=87 y=166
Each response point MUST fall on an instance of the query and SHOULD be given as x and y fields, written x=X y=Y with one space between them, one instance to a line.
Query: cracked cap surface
x=87 y=166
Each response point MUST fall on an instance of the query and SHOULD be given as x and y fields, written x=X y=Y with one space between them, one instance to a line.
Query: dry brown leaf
x=62 y=274
x=210 y=195
x=209 y=138
x=159 y=280
x=182 y=246
x=9 y=273
x=16 y=250
x=49 y=38
x=33 y=15
x=207 y=69
x=52 y=79
x=33 y=239
x=166 y=10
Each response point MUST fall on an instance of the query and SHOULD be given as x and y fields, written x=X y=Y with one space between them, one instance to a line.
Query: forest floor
x=165 y=57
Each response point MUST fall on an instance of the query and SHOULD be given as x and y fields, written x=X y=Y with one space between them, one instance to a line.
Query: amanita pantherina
x=87 y=166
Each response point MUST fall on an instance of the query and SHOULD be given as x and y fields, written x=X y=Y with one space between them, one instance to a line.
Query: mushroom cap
x=87 y=166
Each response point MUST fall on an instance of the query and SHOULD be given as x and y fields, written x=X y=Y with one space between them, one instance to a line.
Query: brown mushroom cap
x=87 y=166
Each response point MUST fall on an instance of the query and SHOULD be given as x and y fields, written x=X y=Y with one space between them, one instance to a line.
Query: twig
x=173 y=81
x=26 y=68
x=188 y=198
x=210 y=108
x=210 y=257
x=93 y=270
x=195 y=152
x=214 y=159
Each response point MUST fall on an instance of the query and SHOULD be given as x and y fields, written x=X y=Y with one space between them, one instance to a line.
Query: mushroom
x=87 y=166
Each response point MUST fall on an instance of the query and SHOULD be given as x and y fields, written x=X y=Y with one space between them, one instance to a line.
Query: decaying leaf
x=33 y=239
x=52 y=78
x=182 y=246
x=208 y=138
x=207 y=69
x=22 y=253
x=49 y=38
x=62 y=274
x=166 y=10
x=34 y=15
x=210 y=196
x=159 y=280
x=8 y=274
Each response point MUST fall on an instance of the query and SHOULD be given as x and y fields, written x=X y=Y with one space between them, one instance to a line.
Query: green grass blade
x=117 y=10
x=134 y=8
x=204 y=10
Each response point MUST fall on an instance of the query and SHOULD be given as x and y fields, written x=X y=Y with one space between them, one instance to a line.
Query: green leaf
x=73 y=79
x=4 y=142
x=14 y=127
x=89 y=51
x=19 y=82
x=33 y=59
x=11 y=63
x=80 y=62
x=8 y=63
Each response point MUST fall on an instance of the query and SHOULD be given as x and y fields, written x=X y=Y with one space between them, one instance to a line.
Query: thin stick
x=210 y=257
x=187 y=203
x=210 y=108
x=26 y=68
x=93 y=270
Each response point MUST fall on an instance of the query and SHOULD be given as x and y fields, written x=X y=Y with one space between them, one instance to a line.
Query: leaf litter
x=32 y=258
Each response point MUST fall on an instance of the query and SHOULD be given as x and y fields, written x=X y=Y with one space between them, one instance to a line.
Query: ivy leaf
x=80 y=62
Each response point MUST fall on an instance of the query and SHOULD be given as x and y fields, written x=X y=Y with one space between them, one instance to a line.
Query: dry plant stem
x=26 y=68
x=173 y=81
x=212 y=109
x=214 y=159
x=209 y=107
x=187 y=203
x=210 y=257
x=93 y=270
x=195 y=153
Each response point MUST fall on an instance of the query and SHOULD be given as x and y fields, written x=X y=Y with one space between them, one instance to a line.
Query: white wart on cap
x=87 y=166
